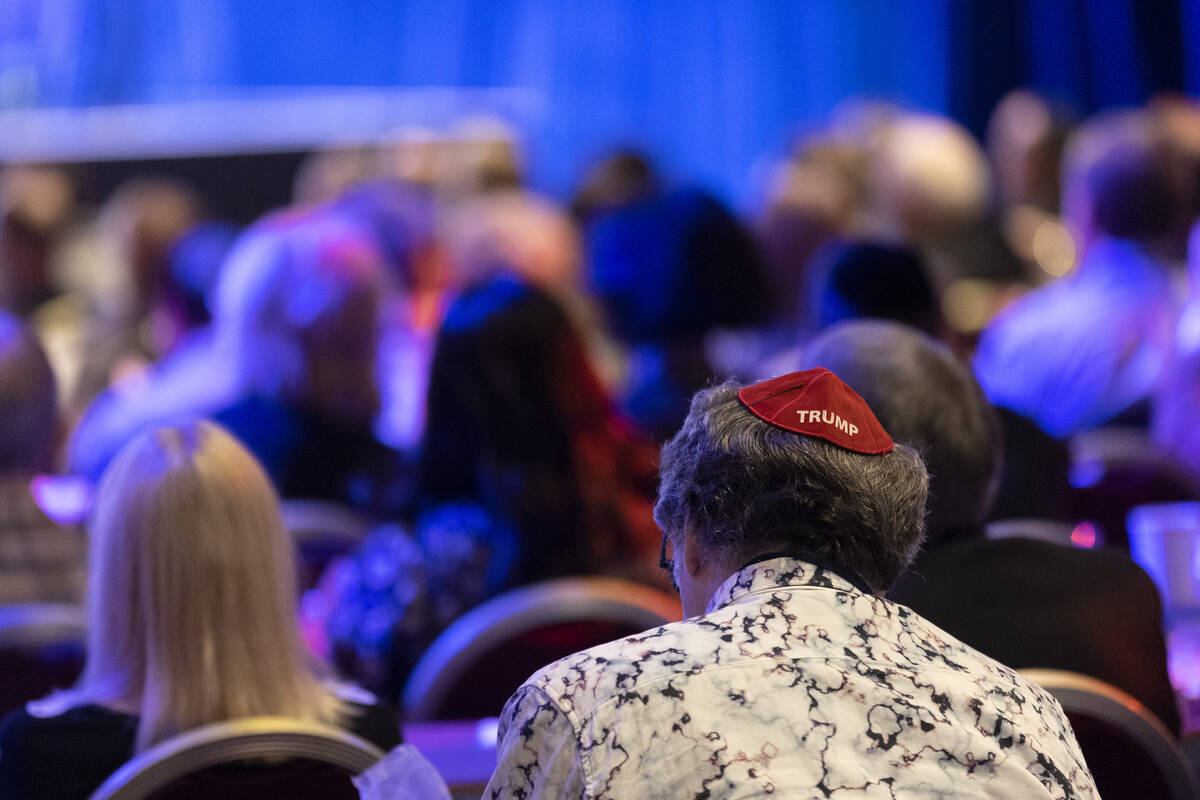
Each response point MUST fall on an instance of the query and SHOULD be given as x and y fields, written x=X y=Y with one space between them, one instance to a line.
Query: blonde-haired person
x=191 y=609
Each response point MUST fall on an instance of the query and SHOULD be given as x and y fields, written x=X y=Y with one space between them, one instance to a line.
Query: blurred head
x=400 y=217
x=620 y=178
x=929 y=177
x=518 y=232
x=143 y=218
x=480 y=154
x=925 y=397
x=510 y=392
x=674 y=266
x=36 y=203
x=743 y=488
x=1179 y=119
x=1120 y=179
x=28 y=404
x=1025 y=136
x=863 y=279
x=191 y=598
x=809 y=200
x=297 y=314
x=325 y=174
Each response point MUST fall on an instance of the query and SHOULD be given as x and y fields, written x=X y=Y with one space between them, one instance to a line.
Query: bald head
x=28 y=410
x=924 y=397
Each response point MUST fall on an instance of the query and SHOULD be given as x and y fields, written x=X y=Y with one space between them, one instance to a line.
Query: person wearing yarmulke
x=787 y=511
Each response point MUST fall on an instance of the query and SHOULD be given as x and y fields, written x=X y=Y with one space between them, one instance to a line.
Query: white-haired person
x=191 y=620
x=289 y=366
x=787 y=510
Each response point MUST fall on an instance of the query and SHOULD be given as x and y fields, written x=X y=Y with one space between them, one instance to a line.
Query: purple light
x=1084 y=535
x=66 y=499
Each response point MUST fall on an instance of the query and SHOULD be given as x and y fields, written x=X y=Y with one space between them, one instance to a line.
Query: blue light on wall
x=709 y=86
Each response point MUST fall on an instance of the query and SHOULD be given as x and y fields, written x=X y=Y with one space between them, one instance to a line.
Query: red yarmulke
x=816 y=402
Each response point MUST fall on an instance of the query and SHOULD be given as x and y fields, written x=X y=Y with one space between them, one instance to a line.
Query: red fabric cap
x=816 y=402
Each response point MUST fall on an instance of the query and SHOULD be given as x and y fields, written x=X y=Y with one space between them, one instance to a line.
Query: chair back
x=42 y=648
x=322 y=531
x=1129 y=751
x=1044 y=530
x=1114 y=469
x=474 y=665
x=246 y=759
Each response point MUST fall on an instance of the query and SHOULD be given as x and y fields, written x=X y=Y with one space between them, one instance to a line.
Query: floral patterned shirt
x=794 y=684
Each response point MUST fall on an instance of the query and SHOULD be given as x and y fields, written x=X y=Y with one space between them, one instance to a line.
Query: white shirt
x=1077 y=352
x=794 y=684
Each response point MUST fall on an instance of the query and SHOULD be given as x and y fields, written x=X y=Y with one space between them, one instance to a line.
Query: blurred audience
x=403 y=220
x=518 y=422
x=810 y=200
x=191 y=620
x=928 y=177
x=1025 y=602
x=523 y=233
x=324 y=175
x=195 y=263
x=403 y=586
x=40 y=560
x=298 y=318
x=526 y=472
x=126 y=309
x=481 y=154
x=1175 y=418
x=1025 y=138
x=1091 y=347
x=485 y=373
x=668 y=270
x=36 y=205
x=623 y=177
x=290 y=365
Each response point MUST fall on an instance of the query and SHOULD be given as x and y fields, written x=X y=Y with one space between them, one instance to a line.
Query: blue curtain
x=709 y=86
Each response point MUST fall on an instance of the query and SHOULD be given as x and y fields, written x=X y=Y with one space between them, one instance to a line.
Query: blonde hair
x=191 y=598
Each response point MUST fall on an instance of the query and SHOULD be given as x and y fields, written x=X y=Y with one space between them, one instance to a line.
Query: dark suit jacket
x=1030 y=603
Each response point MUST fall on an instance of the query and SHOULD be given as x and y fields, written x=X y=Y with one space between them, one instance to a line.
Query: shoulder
x=367 y=717
x=978 y=556
x=55 y=715
x=539 y=754
x=589 y=678
x=22 y=732
x=64 y=754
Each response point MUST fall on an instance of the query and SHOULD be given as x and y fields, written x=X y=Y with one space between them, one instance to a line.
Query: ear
x=694 y=560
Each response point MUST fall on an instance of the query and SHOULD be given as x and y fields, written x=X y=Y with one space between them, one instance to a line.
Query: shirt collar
x=776 y=573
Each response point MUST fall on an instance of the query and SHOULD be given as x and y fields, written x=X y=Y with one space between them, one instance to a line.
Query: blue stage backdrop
x=709 y=86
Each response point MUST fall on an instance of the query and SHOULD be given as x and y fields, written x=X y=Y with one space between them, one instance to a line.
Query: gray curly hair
x=749 y=488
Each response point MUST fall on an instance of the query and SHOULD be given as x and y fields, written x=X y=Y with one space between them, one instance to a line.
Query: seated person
x=855 y=279
x=518 y=422
x=40 y=560
x=1089 y=349
x=526 y=472
x=298 y=317
x=1026 y=602
x=787 y=511
x=191 y=620
x=668 y=269
x=288 y=365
